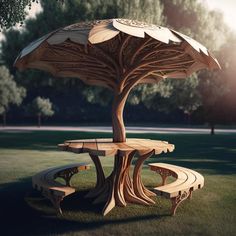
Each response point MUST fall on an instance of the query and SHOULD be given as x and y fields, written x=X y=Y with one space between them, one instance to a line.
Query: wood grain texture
x=105 y=147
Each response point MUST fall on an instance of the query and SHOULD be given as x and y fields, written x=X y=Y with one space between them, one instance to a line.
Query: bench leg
x=100 y=184
x=164 y=174
x=55 y=200
x=190 y=194
x=67 y=175
x=177 y=200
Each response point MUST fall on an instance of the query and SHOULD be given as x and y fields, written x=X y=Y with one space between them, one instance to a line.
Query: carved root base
x=119 y=188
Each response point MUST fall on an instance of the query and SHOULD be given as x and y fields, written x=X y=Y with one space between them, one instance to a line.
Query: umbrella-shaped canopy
x=117 y=54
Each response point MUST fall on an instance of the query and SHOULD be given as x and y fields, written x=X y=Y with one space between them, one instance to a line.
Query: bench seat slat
x=172 y=191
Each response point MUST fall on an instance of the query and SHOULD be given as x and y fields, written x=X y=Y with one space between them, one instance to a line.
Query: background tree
x=193 y=19
x=12 y=12
x=186 y=96
x=213 y=90
x=53 y=16
x=218 y=88
x=41 y=107
x=189 y=17
x=10 y=93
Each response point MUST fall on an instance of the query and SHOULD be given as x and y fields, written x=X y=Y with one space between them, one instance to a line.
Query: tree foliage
x=41 y=107
x=189 y=17
x=56 y=15
x=10 y=93
x=13 y=12
x=193 y=19
x=218 y=88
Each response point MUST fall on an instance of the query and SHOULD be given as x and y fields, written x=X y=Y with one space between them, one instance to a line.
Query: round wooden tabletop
x=105 y=147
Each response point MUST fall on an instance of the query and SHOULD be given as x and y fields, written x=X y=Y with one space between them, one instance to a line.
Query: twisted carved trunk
x=119 y=134
x=119 y=187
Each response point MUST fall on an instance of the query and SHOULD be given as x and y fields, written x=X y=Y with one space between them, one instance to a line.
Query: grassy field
x=212 y=211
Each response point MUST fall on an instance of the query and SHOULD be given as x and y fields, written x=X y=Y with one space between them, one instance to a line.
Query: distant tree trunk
x=189 y=116
x=4 y=119
x=212 y=125
x=39 y=120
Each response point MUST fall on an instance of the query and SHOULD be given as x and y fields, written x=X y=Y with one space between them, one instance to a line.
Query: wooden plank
x=106 y=148
x=199 y=183
x=173 y=191
x=79 y=140
x=104 y=140
x=90 y=147
x=159 y=146
x=76 y=147
x=63 y=146
x=137 y=146
x=123 y=148
x=153 y=142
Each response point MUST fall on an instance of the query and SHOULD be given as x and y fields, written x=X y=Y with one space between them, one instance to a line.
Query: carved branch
x=85 y=57
x=168 y=59
x=140 y=48
x=110 y=58
x=91 y=60
x=178 y=52
x=123 y=44
x=147 y=65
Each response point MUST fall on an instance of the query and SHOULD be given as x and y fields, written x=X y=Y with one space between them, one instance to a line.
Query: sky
x=228 y=7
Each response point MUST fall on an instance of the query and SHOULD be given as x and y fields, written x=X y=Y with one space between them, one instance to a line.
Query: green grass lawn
x=212 y=210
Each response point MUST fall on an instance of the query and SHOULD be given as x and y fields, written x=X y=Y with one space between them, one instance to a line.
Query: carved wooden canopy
x=116 y=53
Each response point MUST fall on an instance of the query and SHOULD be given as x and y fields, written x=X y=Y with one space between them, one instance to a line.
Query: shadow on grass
x=42 y=140
x=214 y=153
x=18 y=218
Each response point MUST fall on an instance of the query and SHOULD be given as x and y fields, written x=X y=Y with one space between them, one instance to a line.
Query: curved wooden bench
x=44 y=181
x=186 y=182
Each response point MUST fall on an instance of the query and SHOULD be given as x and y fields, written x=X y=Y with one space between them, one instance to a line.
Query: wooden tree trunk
x=189 y=116
x=118 y=127
x=119 y=188
x=212 y=128
x=4 y=119
x=39 y=120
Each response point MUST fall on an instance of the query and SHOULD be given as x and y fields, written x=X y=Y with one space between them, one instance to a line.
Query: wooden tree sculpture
x=117 y=54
